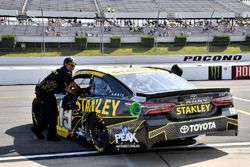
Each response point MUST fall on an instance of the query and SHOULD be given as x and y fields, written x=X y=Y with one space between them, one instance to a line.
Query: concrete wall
x=14 y=75
x=124 y=39
x=148 y=59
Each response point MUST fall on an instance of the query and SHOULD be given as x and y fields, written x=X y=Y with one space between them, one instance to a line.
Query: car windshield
x=154 y=82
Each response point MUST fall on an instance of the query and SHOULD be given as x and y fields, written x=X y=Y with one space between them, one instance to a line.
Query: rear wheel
x=98 y=133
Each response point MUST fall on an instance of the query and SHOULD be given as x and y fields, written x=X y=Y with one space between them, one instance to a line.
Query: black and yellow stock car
x=135 y=108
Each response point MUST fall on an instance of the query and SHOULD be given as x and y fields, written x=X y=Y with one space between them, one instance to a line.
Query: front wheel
x=98 y=133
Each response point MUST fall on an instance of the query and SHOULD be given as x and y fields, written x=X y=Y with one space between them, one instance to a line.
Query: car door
x=99 y=98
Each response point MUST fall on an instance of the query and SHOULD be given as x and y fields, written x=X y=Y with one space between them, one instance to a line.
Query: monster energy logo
x=215 y=73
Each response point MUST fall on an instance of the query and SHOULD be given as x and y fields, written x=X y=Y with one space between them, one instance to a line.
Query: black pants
x=48 y=112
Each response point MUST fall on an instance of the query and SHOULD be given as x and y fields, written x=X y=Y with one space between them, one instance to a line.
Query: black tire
x=98 y=133
x=191 y=137
x=36 y=115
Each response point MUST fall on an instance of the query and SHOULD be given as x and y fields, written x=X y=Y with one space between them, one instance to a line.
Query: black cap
x=68 y=60
x=176 y=70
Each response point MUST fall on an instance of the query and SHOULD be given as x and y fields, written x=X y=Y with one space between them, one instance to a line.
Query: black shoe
x=38 y=134
x=53 y=138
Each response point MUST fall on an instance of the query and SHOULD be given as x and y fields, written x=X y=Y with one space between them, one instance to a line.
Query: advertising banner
x=215 y=72
x=241 y=72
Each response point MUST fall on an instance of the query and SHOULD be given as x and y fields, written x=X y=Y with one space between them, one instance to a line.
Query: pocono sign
x=217 y=58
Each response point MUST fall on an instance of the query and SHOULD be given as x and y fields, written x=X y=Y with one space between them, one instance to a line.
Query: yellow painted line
x=243 y=112
x=232 y=119
x=16 y=97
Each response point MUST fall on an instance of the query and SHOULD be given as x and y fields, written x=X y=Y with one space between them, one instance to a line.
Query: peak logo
x=125 y=136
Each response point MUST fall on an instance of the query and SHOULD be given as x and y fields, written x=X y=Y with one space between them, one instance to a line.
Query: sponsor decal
x=125 y=136
x=191 y=109
x=232 y=111
x=213 y=58
x=241 y=72
x=75 y=113
x=129 y=71
x=80 y=133
x=215 y=72
x=184 y=129
x=126 y=139
x=117 y=94
x=102 y=106
x=135 y=109
x=193 y=98
x=197 y=127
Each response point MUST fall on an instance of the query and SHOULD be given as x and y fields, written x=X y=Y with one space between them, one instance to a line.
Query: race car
x=136 y=108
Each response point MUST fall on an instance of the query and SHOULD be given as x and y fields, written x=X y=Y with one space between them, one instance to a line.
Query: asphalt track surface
x=18 y=146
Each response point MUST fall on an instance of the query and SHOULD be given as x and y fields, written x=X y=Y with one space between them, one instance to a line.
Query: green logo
x=215 y=73
x=135 y=109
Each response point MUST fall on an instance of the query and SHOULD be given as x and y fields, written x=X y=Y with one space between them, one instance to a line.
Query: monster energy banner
x=241 y=72
x=215 y=73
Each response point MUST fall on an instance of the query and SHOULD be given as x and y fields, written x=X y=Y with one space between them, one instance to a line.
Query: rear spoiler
x=174 y=69
x=183 y=92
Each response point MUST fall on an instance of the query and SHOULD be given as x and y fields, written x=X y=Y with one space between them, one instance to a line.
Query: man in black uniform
x=59 y=81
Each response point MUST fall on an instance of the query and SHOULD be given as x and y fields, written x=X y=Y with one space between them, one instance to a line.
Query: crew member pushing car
x=58 y=81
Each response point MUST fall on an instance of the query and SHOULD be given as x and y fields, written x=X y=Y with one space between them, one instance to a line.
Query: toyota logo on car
x=197 y=127
x=184 y=129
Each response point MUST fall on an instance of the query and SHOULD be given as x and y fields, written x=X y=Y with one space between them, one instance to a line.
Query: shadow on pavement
x=184 y=157
x=25 y=143
x=174 y=156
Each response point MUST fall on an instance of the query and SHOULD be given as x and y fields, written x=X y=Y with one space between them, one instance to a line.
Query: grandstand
x=123 y=8
x=10 y=5
x=164 y=18
x=62 y=5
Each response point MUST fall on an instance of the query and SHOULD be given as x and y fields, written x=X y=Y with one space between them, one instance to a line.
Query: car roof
x=119 y=71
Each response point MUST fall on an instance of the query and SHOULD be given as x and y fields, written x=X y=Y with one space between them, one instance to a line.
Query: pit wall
x=29 y=70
